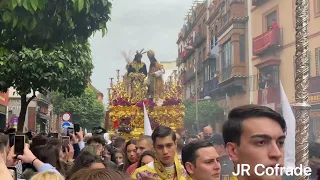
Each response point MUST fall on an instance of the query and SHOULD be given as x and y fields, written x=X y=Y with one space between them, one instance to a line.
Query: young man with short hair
x=201 y=160
x=255 y=135
x=99 y=142
x=227 y=166
x=166 y=165
x=143 y=144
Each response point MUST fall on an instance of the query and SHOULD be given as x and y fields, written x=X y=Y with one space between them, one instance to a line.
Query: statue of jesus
x=137 y=72
x=155 y=81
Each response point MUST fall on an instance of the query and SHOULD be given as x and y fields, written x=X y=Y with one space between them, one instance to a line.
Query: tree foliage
x=208 y=113
x=64 y=69
x=48 y=23
x=44 y=45
x=85 y=109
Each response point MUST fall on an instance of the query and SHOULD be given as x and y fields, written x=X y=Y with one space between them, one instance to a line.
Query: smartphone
x=55 y=135
x=19 y=144
x=76 y=127
x=11 y=139
x=13 y=172
x=65 y=141
x=69 y=131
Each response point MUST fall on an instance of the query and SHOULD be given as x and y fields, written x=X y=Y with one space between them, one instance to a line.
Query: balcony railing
x=266 y=40
x=211 y=85
x=232 y=71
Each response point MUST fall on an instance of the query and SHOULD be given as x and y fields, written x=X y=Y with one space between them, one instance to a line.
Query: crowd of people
x=252 y=135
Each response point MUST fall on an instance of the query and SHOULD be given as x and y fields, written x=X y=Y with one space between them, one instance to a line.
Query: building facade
x=38 y=116
x=192 y=50
x=274 y=54
x=219 y=55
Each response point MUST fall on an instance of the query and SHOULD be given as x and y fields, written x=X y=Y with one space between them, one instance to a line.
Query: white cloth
x=159 y=73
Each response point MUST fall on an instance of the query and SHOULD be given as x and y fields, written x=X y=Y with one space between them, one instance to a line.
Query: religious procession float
x=141 y=86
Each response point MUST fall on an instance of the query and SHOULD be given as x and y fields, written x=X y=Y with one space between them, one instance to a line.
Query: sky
x=134 y=25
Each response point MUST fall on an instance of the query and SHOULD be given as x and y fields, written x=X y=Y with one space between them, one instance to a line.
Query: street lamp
x=196 y=71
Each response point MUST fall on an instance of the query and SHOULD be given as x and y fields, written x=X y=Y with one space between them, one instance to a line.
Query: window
x=215 y=37
x=200 y=56
x=270 y=18
x=223 y=8
x=213 y=68
x=206 y=73
x=268 y=76
x=211 y=39
x=317 y=58
x=226 y=59
x=317 y=6
x=242 y=48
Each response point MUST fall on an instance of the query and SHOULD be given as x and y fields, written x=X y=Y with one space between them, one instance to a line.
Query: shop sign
x=314 y=98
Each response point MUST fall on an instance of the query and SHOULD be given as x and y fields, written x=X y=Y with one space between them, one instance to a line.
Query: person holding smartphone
x=29 y=158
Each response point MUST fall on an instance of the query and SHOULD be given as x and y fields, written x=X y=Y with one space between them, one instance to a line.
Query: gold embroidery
x=137 y=66
x=225 y=177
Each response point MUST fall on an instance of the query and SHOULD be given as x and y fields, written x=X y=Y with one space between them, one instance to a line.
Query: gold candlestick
x=109 y=96
x=118 y=74
x=111 y=82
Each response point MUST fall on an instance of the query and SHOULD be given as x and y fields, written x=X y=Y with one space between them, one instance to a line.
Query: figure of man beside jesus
x=155 y=81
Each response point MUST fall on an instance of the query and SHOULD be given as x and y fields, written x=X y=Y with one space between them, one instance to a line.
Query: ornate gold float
x=126 y=98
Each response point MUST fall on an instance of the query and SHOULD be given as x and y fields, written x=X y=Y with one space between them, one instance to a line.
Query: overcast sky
x=137 y=24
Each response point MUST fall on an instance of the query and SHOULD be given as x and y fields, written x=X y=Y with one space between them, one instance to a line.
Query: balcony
x=267 y=42
x=211 y=86
x=233 y=79
x=199 y=40
x=189 y=75
x=186 y=55
x=258 y=2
